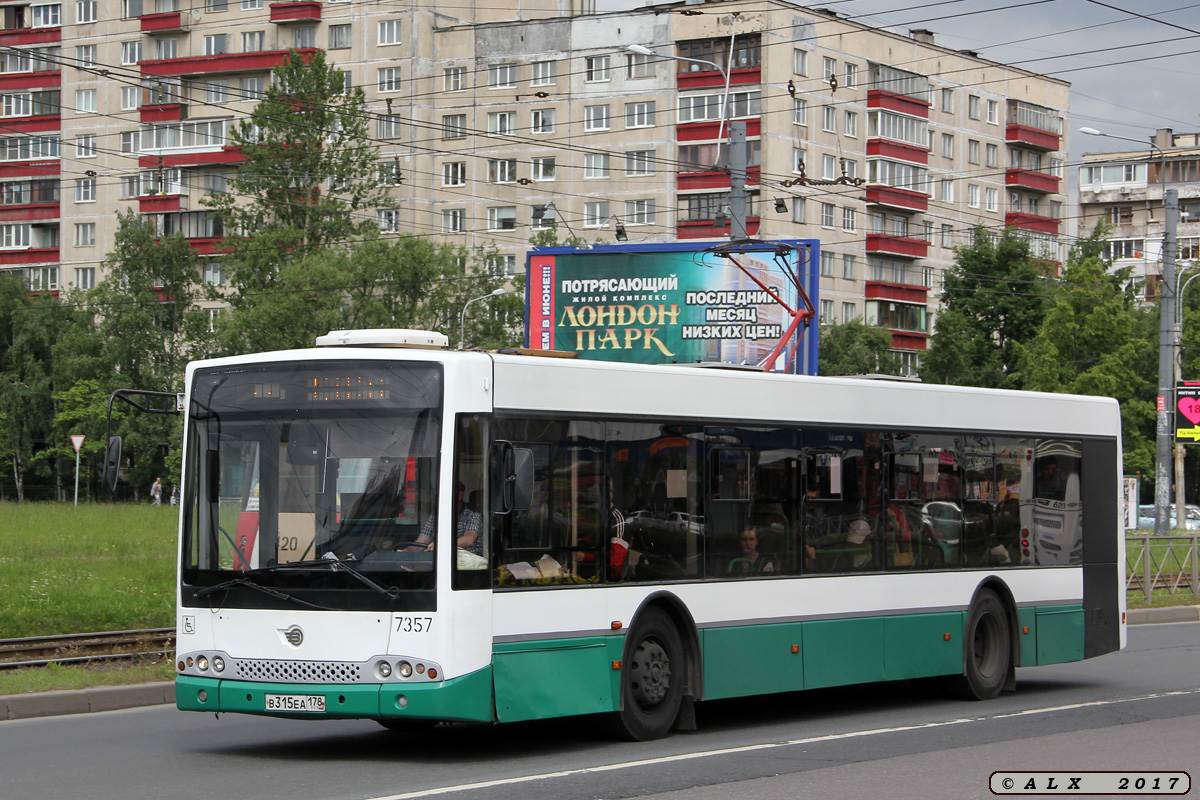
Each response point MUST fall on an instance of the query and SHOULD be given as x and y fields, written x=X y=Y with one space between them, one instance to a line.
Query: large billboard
x=675 y=303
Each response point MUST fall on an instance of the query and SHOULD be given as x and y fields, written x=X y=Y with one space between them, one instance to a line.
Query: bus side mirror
x=112 y=464
x=512 y=478
x=212 y=475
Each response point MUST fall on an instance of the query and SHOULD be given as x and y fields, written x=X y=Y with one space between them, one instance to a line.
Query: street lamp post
x=1167 y=346
x=462 y=319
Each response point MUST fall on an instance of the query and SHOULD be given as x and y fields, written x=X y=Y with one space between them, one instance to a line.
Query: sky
x=1131 y=71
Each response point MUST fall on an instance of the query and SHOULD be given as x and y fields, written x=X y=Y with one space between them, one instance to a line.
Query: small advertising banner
x=671 y=303
x=1187 y=412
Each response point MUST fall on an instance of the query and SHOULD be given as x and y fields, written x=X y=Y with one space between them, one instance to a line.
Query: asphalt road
x=1136 y=710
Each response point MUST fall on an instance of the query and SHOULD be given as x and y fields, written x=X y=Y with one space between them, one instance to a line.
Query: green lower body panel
x=842 y=651
x=740 y=660
x=1060 y=635
x=466 y=698
x=538 y=680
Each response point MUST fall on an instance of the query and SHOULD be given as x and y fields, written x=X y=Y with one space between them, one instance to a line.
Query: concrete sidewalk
x=111 y=698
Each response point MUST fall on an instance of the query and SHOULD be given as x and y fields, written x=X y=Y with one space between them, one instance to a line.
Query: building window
x=502 y=76
x=639 y=65
x=595 y=214
x=542 y=120
x=828 y=167
x=639 y=212
x=454 y=126
x=826 y=310
x=828 y=68
x=849 y=312
x=800 y=62
x=216 y=92
x=85 y=277
x=972 y=151
x=501 y=123
x=595 y=165
x=388 y=126
x=827 y=259
x=947 y=145
x=827 y=215
x=453 y=79
x=454 y=220
x=639 y=115
x=85 y=145
x=851 y=76
x=639 y=162
x=85 y=101
x=973 y=106
x=947 y=236
x=540 y=217
x=798 y=156
x=130 y=97
x=502 y=264
x=848 y=268
x=543 y=168
x=85 y=234
x=214 y=273
x=388 y=220
x=339 y=37
x=544 y=73
x=251 y=88
x=216 y=5
x=214 y=44
x=848 y=219
x=596 y=118
x=502 y=218
x=131 y=141
x=502 y=170
x=799 y=111
x=454 y=173
x=851 y=123
x=389 y=31
x=47 y=16
x=992 y=154
x=993 y=199
x=596 y=69
x=972 y=196
x=799 y=213
x=166 y=48
x=253 y=41
x=85 y=11
x=948 y=101
x=85 y=55
x=304 y=38
x=85 y=190
x=389 y=79
x=993 y=112
x=947 y=190
x=251 y=5
x=829 y=119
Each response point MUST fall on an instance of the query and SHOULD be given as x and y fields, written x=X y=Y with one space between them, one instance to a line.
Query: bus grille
x=300 y=671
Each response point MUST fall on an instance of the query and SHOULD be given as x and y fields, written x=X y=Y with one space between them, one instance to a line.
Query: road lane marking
x=831 y=737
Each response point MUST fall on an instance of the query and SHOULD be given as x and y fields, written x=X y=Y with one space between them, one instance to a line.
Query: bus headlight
x=218 y=664
x=202 y=663
x=384 y=668
x=405 y=669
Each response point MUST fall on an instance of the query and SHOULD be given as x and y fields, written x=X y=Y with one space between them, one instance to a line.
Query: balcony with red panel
x=29 y=212
x=45 y=123
x=162 y=203
x=900 y=292
x=290 y=13
x=262 y=61
x=229 y=154
x=207 y=246
x=37 y=168
x=712 y=79
x=714 y=131
x=708 y=229
x=901 y=246
x=1032 y=181
x=714 y=179
x=28 y=36
x=30 y=255
x=901 y=103
x=891 y=197
x=1031 y=222
x=164 y=112
x=909 y=340
x=898 y=151
x=164 y=23
x=30 y=80
x=1032 y=137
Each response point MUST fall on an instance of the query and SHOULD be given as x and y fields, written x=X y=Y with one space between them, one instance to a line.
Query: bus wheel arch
x=990 y=644
x=660 y=670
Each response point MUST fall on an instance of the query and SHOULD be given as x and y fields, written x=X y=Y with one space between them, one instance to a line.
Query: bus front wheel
x=987 y=651
x=652 y=677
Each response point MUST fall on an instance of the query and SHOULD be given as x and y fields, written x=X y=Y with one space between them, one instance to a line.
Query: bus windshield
x=292 y=467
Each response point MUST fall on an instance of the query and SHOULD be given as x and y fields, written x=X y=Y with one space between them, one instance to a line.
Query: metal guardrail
x=1167 y=563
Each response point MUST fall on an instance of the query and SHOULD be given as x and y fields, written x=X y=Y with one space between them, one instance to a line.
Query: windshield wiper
x=264 y=589
x=335 y=565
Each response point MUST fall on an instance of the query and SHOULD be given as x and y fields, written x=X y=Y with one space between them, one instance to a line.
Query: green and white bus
x=384 y=528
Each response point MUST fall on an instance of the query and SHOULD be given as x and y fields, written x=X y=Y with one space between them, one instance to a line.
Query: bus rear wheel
x=987 y=651
x=652 y=678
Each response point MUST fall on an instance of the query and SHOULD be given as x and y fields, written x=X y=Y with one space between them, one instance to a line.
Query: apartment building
x=1125 y=189
x=501 y=122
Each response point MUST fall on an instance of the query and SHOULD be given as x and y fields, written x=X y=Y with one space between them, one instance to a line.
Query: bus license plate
x=296 y=702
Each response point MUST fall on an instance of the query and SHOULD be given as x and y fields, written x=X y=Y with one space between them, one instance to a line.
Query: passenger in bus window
x=751 y=562
x=469 y=523
x=841 y=551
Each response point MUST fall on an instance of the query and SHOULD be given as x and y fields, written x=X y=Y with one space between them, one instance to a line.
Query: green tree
x=853 y=348
x=1093 y=341
x=992 y=299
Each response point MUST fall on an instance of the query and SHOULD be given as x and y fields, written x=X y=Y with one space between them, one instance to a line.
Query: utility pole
x=1166 y=367
x=737 y=180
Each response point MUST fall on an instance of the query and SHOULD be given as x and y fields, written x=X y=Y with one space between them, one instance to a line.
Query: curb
x=85 y=701
x=112 y=698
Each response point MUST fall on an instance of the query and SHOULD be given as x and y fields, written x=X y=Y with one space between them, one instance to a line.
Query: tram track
x=80 y=648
